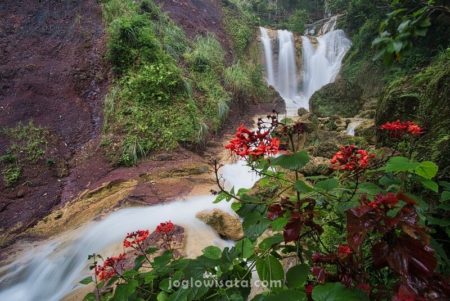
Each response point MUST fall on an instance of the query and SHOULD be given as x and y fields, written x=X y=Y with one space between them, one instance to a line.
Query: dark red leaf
x=293 y=227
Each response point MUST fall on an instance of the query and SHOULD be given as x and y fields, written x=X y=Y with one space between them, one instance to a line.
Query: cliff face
x=52 y=74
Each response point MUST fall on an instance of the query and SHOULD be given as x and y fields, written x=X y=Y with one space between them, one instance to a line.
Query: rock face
x=341 y=98
x=226 y=225
x=425 y=99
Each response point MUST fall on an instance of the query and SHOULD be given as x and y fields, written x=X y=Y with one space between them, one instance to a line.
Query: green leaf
x=162 y=296
x=292 y=162
x=438 y=221
x=327 y=185
x=400 y=164
x=285 y=295
x=279 y=223
x=431 y=185
x=301 y=186
x=427 y=170
x=267 y=243
x=369 y=188
x=236 y=206
x=337 y=292
x=212 y=252
x=297 y=275
x=90 y=297
x=245 y=246
x=164 y=285
x=270 y=269
x=86 y=280
x=445 y=196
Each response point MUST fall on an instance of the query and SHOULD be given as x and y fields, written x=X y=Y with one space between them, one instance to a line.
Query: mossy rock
x=341 y=98
x=425 y=99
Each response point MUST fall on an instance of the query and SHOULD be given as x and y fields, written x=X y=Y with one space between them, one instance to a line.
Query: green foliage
x=422 y=97
x=337 y=292
x=11 y=174
x=297 y=21
x=207 y=54
x=28 y=141
x=28 y=144
x=238 y=27
x=131 y=42
x=155 y=84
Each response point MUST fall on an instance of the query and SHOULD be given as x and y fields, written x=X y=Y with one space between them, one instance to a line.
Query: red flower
x=399 y=128
x=109 y=267
x=344 y=251
x=365 y=287
x=309 y=288
x=134 y=239
x=165 y=228
x=389 y=200
x=253 y=143
x=351 y=158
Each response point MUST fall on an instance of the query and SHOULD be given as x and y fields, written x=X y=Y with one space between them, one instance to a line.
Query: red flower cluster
x=344 y=251
x=351 y=158
x=389 y=200
x=165 y=228
x=253 y=143
x=134 y=239
x=109 y=267
x=399 y=128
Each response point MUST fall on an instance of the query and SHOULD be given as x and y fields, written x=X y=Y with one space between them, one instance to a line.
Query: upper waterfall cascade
x=321 y=63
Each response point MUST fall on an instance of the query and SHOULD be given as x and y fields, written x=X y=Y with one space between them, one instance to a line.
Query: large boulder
x=225 y=224
x=341 y=98
x=425 y=99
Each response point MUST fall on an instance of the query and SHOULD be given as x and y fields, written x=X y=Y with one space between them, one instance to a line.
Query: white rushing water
x=267 y=44
x=322 y=59
x=52 y=269
x=351 y=127
x=323 y=62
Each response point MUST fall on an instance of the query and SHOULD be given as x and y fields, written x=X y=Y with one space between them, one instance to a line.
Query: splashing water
x=51 y=270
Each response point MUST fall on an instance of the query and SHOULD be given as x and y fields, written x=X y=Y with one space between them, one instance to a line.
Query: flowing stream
x=321 y=63
x=52 y=269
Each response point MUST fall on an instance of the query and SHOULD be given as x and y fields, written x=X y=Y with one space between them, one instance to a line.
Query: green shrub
x=207 y=54
x=131 y=42
x=11 y=174
x=296 y=22
x=238 y=28
x=157 y=83
x=237 y=79
x=28 y=141
x=113 y=9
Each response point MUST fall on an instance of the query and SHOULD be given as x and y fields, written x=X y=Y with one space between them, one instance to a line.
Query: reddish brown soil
x=198 y=17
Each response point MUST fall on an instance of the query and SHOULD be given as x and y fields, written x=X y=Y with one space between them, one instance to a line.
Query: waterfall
x=322 y=59
x=323 y=62
x=267 y=44
x=287 y=71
